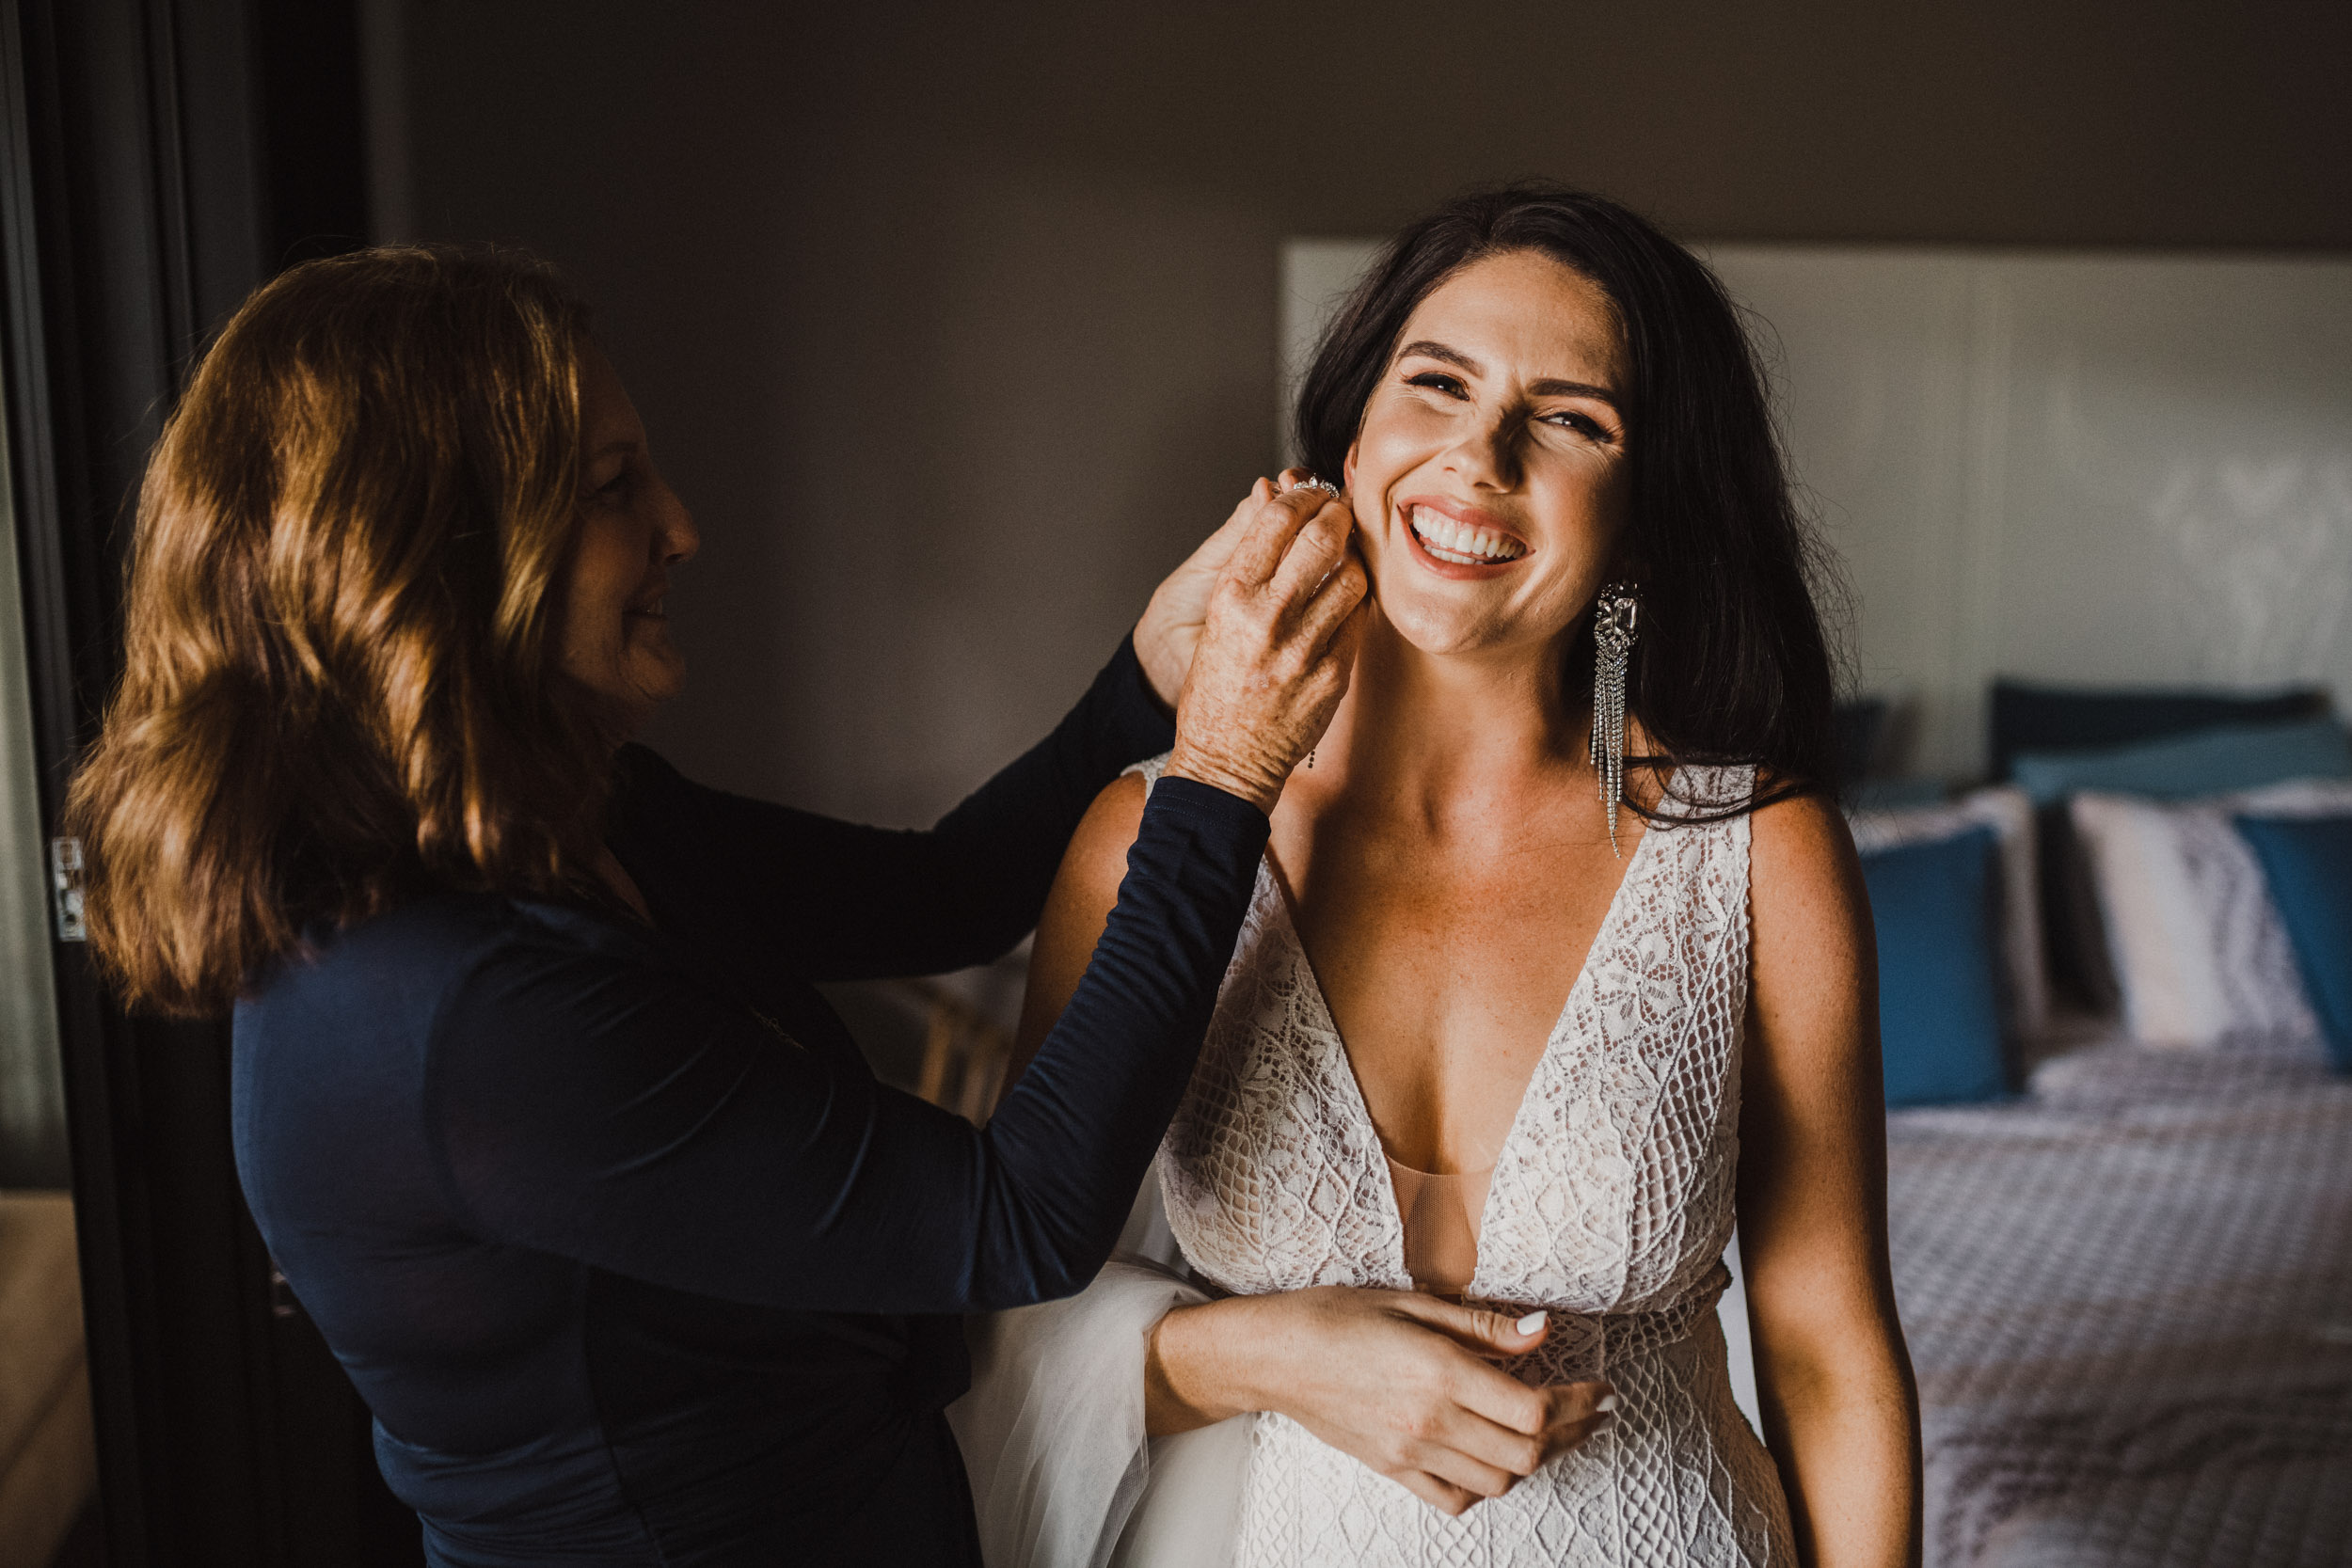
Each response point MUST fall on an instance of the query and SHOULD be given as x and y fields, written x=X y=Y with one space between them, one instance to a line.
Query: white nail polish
x=1529 y=1323
x=1606 y=1405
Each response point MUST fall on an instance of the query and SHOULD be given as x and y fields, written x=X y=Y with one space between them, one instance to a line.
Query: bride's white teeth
x=1450 y=542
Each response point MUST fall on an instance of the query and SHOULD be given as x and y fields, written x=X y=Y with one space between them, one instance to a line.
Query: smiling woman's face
x=1490 y=476
x=633 y=528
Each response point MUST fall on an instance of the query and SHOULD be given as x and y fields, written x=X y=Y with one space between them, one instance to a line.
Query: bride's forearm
x=1198 y=1368
x=1841 y=1421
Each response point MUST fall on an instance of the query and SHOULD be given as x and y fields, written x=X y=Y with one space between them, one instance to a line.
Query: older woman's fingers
x=1219 y=547
x=1316 y=551
x=1334 y=617
x=1169 y=633
x=1329 y=607
x=1262 y=550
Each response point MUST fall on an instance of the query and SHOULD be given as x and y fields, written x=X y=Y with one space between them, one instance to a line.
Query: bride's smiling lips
x=1460 y=542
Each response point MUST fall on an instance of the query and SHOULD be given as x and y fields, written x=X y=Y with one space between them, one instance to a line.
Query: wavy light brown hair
x=339 y=683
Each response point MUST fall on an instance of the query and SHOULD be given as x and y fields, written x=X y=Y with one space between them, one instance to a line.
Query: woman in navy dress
x=536 y=1102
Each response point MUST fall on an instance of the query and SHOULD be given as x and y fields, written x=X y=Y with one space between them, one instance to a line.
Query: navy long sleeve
x=629 y=1252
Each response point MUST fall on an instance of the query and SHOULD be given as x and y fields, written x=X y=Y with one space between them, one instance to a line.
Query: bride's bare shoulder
x=1811 y=916
x=1800 y=835
x=1097 y=857
x=1077 y=908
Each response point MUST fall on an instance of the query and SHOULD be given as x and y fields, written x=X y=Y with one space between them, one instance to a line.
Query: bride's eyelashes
x=1583 y=424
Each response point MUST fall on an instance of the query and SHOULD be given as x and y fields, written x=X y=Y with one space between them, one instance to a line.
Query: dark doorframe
x=158 y=158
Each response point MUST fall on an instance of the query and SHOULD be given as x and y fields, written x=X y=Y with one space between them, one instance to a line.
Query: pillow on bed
x=2199 y=953
x=2242 y=757
x=2025 y=985
x=2027 y=717
x=2181 y=768
x=2308 y=868
x=1931 y=904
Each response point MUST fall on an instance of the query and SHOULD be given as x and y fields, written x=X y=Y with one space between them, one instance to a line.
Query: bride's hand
x=1400 y=1380
x=1171 y=627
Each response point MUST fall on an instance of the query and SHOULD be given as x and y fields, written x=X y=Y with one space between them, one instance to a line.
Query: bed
x=2128 y=1298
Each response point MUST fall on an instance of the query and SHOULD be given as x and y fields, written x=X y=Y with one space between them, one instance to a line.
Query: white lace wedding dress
x=1609 y=1205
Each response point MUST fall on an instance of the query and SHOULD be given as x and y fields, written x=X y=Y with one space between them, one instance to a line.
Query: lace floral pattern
x=1611 y=1206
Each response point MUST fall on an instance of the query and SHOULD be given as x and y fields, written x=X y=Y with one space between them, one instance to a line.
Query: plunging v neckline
x=1362 y=1108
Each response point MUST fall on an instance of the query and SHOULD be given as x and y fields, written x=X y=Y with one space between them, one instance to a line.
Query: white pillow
x=2010 y=813
x=2199 y=953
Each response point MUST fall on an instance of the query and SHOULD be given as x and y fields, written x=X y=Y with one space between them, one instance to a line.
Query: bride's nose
x=1485 y=457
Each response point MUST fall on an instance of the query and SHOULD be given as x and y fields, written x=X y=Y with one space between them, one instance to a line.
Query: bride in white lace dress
x=1456 y=1243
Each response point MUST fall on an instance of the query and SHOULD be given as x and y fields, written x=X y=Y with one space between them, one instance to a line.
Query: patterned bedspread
x=2129 y=1300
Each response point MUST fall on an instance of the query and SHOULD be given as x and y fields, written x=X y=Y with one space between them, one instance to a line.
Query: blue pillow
x=2211 y=762
x=2308 y=863
x=1939 y=969
x=2029 y=718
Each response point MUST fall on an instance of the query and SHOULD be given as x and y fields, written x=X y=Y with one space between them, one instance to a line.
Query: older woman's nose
x=678 y=539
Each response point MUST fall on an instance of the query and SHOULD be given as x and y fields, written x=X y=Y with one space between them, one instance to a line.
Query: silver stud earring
x=1615 y=614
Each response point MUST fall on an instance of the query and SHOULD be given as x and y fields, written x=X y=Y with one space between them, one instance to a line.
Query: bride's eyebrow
x=1426 y=349
x=1550 y=386
x=1555 y=389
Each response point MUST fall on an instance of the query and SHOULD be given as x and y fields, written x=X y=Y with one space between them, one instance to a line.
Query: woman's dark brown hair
x=1733 y=664
x=341 y=630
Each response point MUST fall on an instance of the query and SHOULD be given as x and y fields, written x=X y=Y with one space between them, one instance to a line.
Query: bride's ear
x=1347 y=469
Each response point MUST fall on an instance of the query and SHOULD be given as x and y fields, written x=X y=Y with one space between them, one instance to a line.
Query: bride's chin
x=1439 y=631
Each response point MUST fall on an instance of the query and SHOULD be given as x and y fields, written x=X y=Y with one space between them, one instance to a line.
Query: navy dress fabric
x=613 y=1229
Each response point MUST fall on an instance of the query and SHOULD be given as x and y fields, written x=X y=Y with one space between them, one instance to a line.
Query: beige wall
x=957 y=323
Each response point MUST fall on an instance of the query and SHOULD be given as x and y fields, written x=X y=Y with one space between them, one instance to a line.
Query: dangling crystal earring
x=1614 y=614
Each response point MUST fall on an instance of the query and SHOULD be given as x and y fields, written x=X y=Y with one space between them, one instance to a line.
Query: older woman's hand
x=1276 y=646
x=1400 y=1380
x=1169 y=631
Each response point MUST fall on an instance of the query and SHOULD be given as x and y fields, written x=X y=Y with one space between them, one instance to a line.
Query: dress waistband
x=1583 y=1344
